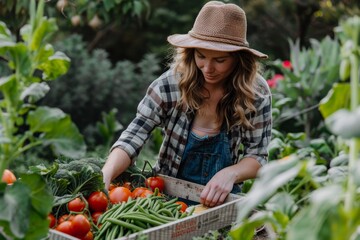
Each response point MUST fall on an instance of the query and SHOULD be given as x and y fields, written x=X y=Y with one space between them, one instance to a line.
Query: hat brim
x=187 y=41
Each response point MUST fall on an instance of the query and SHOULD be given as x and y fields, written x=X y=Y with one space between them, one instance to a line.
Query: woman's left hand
x=217 y=189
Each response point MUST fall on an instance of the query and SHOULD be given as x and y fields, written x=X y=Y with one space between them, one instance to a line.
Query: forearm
x=246 y=169
x=118 y=161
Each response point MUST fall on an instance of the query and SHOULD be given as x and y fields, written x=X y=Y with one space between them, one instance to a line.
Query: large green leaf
x=314 y=222
x=41 y=202
x=35 y=92
x=15 y=209
x=337 y=98
x=20 y=59
x=42 y=33
x=57 y=65
x=270 y=178
x=345 y=123
x=24 y=207
x=59 y=131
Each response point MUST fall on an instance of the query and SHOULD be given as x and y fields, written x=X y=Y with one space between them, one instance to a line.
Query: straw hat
x=218 y=26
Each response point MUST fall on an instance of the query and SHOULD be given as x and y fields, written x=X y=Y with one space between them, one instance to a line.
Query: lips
x=209 y=77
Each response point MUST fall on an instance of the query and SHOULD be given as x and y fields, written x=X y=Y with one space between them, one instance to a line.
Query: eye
x=200 y=56
x=221 y=60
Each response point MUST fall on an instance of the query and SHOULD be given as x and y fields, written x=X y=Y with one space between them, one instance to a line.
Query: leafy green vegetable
x=76 y=176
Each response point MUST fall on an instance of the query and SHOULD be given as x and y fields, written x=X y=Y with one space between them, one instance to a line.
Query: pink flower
x=272 y=82
x=287 y=64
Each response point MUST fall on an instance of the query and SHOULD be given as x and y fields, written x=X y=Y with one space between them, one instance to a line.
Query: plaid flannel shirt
x=158 y=109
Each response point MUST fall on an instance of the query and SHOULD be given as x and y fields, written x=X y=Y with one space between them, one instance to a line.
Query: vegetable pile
x=139 y=214
x=82 y=208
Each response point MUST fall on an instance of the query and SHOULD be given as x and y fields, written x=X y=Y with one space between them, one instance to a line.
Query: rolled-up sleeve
x=256 y=140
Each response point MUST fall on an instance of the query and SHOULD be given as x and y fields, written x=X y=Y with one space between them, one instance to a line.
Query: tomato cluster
x=118 y=194
x=82 y=215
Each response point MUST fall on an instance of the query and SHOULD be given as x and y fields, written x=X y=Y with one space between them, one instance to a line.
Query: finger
x=215 y=199
x=222 y=198
x=204 y=194
x=209 y=198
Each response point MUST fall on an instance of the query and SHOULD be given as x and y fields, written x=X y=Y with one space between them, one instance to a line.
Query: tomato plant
x=76 y=205
x=8 y=177
x=98 y=201
x=81 y=226
x=119 y=194
x=183 y=206
x=155 y=182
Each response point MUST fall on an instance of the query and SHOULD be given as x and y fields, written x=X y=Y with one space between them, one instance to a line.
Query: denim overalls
x=204 y=156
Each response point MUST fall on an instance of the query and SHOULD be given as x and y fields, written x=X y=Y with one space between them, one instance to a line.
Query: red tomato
x=95 y=217
x=76 y=205
x=146 y=193
x=88 y=236
x=183 y=206
x=138 y=191
x=155 y=182
x=81 y=226
x=65 y=217
x=52 y=220
x=8 y=177
x=98 y=201
x=66 y=227
x=119 y=194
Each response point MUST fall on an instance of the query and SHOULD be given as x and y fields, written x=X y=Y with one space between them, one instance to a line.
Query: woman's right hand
x=118 y=161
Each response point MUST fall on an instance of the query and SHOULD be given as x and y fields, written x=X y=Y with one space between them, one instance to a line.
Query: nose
x=208 y=67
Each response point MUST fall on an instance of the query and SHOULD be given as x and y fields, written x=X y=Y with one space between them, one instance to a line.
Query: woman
x=213 y=105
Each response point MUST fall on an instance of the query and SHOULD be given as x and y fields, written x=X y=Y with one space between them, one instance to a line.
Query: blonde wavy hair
x=239 y=89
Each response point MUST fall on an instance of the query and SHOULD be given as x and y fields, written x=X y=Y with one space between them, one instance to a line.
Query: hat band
x=217 y=39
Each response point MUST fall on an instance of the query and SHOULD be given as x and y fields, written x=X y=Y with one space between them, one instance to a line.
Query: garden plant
x=50 y=66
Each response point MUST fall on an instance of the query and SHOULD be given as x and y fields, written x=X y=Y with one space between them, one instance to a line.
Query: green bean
x=164 y=218
x=166 y=212
x=142 y=217
x=113 y=232
x=125 y=224
x=170 y=202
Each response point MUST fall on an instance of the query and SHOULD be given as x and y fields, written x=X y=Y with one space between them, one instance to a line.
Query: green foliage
x=296 y=97
x=94 y=85
x=72 y=176
x=23 y=124
x=24 y=207
x=108 y=127
x=324 y=200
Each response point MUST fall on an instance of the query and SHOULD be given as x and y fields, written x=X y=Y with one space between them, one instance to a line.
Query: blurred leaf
x=57 y=65
x=15 y=209
x=35 y=92
x=344 y=123
x=270 y=178
x=337 y=98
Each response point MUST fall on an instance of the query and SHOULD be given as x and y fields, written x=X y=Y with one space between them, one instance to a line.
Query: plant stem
x=354 y=145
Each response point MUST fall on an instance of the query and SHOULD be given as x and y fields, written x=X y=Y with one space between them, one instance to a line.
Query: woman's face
x=216 y=66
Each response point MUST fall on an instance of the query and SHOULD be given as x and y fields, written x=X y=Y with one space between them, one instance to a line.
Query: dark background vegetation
x=118 y=47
